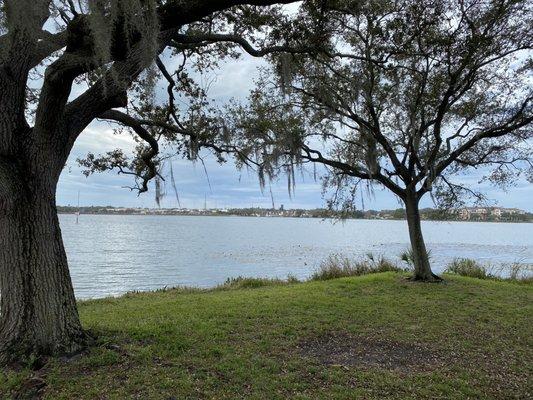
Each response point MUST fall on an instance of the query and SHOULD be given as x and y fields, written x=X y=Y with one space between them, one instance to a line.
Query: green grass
x=275 y=342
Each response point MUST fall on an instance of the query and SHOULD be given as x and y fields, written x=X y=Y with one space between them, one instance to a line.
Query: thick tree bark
x=37 y=304
x=420 y=257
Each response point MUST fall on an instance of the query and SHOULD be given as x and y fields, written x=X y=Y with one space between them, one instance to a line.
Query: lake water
x=110 y=255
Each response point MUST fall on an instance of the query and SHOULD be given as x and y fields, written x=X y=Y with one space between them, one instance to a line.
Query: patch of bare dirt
x=347 y=350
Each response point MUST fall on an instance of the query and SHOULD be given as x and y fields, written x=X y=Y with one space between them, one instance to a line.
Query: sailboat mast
x=78 y=212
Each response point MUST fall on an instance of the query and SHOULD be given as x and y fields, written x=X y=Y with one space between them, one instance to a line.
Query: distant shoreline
x=428 y=215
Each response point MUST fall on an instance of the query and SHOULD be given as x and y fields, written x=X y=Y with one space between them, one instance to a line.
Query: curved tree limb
x=147 y=156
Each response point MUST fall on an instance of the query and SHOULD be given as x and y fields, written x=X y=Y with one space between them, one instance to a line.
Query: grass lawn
x=372 y=337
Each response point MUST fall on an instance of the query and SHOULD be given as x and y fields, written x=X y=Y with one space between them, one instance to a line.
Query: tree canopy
x=407 y=95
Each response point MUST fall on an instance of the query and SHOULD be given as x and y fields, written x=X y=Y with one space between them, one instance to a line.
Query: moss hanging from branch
x=286 y=74
x=371 y=153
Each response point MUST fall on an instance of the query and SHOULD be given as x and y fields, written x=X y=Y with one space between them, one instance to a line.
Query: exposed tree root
x=17 y=353
x=433 y=279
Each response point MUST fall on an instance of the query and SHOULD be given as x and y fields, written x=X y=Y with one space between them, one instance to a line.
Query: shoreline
x=289 y=216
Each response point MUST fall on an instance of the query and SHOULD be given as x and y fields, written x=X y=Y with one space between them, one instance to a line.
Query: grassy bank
x=373 y=337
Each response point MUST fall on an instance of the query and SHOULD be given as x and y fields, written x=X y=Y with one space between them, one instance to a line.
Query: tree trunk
x=37 y=304
x=420 y=257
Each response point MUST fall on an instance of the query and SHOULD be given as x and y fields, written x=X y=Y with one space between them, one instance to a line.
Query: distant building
x=514 y=211
x=464 y=214
x=484 y=213
x=496 y=212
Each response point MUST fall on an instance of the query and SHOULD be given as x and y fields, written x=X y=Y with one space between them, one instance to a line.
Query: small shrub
x=521 y=272
x=337 y=266
x=241 y=282
x=292 y=279
x=515 y=272
x=384 y=265
x=468 y=267
x=407 y=257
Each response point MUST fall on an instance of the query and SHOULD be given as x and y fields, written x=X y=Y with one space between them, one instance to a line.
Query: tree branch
x=517 y=121
x=242 y=42
x=148 y=155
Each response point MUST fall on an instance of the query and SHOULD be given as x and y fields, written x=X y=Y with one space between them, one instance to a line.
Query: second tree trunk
x=420 y=257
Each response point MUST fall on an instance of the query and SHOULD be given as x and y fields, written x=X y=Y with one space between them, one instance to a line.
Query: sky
x=224 y=186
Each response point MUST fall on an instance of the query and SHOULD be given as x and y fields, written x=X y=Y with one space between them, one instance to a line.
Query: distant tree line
x=430 y=214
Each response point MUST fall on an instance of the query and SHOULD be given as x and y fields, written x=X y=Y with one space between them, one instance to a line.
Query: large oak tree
x=111 y=49
x=407 y=95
